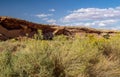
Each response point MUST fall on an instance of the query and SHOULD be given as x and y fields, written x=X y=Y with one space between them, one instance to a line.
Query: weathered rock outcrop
x=12 y=28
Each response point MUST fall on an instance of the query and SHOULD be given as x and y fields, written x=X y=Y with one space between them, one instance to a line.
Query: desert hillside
x=13 y=28
x=72 y=52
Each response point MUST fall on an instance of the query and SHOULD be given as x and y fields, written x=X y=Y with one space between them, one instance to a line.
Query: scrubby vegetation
x=87 y=56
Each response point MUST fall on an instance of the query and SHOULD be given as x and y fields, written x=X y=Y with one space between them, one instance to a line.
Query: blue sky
x=104 y=14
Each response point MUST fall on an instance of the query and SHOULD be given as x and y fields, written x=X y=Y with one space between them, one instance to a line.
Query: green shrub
x=39 y=35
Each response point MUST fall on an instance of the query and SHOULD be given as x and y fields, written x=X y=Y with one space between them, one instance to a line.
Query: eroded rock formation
x=12 y=28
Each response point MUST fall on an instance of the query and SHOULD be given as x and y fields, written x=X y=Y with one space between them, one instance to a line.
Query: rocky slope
x=13 y=28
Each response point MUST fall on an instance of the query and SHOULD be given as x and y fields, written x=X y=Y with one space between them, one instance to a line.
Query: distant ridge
x=14 y=27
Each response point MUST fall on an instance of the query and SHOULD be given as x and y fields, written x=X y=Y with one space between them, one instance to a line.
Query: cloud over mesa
x=43 y=15
x=93 y=17
x=93 y=14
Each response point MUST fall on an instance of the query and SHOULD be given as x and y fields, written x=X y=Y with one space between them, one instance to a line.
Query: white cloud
x=43 y=15
x=51 y=21
x=93 y=14
x=47 y=18
x=115 y=28
x=52 y=10
x=105 y=22
x=100 y=23
x=93 y=17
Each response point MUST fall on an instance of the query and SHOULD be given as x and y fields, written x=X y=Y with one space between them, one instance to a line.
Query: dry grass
x=61 y=57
